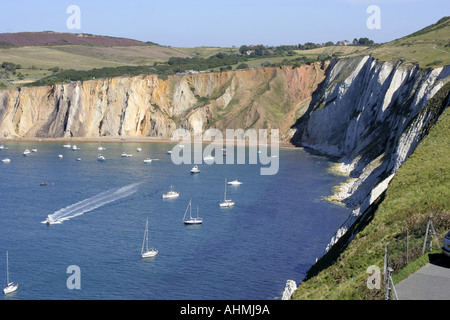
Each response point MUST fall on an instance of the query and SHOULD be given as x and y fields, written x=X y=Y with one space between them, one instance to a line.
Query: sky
x=226 y=23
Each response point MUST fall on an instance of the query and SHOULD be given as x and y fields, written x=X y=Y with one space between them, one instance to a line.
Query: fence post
x=430 y=226
x=386 y=272
x=407 y=246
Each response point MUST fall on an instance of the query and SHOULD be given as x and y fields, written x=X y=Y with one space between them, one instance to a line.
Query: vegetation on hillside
x=428 y=47
x=420 y=188
x=86 y=61
x=175 y=65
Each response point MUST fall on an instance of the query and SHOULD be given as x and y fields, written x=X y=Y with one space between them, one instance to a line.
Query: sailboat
x=10 y=286
x=147 y=253
x=226 y=202
x=191 y=220
x=100 y=148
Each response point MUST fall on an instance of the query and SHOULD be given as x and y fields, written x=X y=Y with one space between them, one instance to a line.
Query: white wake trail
x=91 y=203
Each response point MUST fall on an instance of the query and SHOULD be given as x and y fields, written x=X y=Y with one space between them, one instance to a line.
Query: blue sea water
x=278 y=227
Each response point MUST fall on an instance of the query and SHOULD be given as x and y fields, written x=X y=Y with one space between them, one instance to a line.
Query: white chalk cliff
x=371 y=115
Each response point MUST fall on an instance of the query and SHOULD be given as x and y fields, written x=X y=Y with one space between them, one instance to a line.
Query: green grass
x=36 y=61
x=420 y=188
x=429 y=47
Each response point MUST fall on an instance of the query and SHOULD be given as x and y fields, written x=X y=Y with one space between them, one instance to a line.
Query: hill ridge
x=52 y=38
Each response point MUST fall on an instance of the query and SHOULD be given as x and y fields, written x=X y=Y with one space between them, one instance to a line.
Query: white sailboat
x=226 y=202
x=191 y=220
x=147 y=253
x=10 y=286
x=100 y=148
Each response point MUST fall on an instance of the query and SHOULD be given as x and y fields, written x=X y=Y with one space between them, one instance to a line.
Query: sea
x=277 y=229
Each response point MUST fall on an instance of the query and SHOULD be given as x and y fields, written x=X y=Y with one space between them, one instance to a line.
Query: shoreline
x=282 y=144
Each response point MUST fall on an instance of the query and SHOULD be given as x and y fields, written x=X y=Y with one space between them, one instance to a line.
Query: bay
x=278 y=227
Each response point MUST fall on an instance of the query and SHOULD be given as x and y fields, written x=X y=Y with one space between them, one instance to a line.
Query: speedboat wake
x=90 y=204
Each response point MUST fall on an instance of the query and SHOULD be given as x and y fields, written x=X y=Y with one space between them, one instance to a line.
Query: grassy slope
x=36 y=60
x=429 y=47
x=421 y=187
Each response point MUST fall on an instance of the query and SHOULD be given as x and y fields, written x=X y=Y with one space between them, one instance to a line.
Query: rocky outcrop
x=148 y=106
x=371 y=115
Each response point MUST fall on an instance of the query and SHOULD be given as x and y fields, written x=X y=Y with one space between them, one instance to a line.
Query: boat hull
x=193 y=222
x=149 y=254
x=10 y=288
x=226 y=204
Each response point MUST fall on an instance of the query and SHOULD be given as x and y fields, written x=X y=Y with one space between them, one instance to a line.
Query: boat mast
x=145 y=237
x=7 y=270
x=189 y=205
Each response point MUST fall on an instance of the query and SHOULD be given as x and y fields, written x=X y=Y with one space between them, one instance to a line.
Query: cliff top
x=50 y=38
x=428 y=47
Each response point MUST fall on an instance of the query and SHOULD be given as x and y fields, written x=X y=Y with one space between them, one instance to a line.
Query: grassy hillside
x=51 y=38
x=429 y=47
x=37 y=52
x=36 y=60
x=420 y=188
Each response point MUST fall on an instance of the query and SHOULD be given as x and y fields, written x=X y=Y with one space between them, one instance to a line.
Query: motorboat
x=75 y=148
x=101 y=158
x=26 y=153
x=208 y=159
x=235 y=183
x=139 y=149
x=148 y=160
x=49 y=221
x=195 y=169
x=6 y=160
x=172 y=194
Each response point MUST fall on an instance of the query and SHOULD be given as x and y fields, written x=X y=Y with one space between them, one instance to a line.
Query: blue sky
x=190 y=23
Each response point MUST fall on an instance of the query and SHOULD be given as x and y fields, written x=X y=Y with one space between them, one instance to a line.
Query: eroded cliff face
x=371 y=116
x=150 y=106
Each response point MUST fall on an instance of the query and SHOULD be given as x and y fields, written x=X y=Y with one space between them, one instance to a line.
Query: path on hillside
x=432 y=282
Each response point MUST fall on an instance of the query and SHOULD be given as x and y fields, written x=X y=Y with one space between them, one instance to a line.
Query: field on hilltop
x=428 y=47
x=39 y=57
